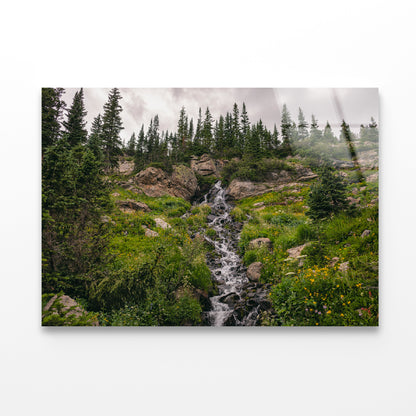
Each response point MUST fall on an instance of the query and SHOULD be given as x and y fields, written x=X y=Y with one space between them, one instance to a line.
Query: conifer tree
x=219 y=136
x=75 y=124
x=112 y=126
x=52 y=112
x=328 y=135
x=327 y=196
x=316 y=134
x=275 y=139
x=131 y=145
x=95 y=138
x=302 y=126
x=245 y=126
x=139 y=157
x=228 y=131
x=254 y=145
x=191 y=130
x=197 y=144
x=207 y=132
x=286 y=129
x=183 y=128
x=236 y=133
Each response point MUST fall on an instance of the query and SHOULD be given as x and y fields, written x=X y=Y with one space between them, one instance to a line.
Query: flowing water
x=228 y=270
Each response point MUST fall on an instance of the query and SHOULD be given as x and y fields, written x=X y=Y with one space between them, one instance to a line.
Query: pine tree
x=207 y=132
x=275 y=139
x=302 y=126
x=191 y=130
x=112 y=126
x=197 y=144
x=316 y=134
x=245 y=126
x=131 y=145
x=219 y=136
x=52 y=111
x=183 y=128
x=328 y=135
x=139 y=157
x=327 y=196
x=236 y=133
x=75 y=124
x=95 y=138
x=228 y=131
x=286 y=129
x=254 y=145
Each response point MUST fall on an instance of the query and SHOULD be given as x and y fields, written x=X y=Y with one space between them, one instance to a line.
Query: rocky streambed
x=239 y=301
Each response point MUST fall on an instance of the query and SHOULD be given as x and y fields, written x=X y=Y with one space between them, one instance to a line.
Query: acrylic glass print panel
x=210 y=207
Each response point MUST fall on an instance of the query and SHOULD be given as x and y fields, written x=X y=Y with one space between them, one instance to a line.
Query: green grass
x=313 y=290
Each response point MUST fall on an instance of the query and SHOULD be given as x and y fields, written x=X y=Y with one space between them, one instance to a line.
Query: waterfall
x=228 y=272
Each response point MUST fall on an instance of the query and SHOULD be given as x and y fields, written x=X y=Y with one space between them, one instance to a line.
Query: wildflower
x=317 y=323
x=319 y=313
x=328 y=312
x=342 y=314
x=324 y=306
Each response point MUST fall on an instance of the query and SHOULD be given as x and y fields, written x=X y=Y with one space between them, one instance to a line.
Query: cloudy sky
x=140 y=105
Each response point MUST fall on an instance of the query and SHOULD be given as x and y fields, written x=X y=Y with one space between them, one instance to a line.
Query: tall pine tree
x=112 y=126
x=76 y=133
x=52 y=112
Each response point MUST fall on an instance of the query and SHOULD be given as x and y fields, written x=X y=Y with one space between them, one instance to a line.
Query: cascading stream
x=229 y=272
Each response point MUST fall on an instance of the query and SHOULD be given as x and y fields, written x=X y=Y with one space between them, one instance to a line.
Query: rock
x=333 y=261
x=162 y=224
x=343 y=267
x=239 y=189
x=230 y=299
x=295 y=252
x=130 y=206
x=373 y=177
x=126 y=167
x=155 y=182
x=115 y=194
x=149 y=233
x=242 y=189
x=365 y=233
x=260 y=242
x=258 y=204
x=254 y=271
x=105 y=219
x=70 y=308
x=206 y=166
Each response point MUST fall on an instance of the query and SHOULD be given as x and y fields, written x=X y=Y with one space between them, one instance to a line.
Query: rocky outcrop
x=260 y=242
x=155 y=182
x=69 y=309
x=239 y=189
x=254 y=271
x=130 y=206
x=206 y=165
x=126 y=167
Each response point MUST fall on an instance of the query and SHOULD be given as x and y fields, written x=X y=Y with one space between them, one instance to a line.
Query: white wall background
x=203 y=371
